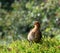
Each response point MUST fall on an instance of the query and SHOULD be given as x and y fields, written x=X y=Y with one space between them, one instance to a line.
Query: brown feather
x=35 y=34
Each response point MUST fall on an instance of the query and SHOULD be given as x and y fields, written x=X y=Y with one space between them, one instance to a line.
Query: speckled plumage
x=35 y=34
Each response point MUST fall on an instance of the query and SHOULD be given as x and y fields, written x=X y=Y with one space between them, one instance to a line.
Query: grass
x=47 y=45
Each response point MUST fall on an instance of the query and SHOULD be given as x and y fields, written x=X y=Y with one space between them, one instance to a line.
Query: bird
x=35 y=34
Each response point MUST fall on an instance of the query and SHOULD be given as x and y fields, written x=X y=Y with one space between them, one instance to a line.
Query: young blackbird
x=35 y=34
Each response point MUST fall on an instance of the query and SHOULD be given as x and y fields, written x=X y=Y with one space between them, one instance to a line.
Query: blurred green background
x=17 y=16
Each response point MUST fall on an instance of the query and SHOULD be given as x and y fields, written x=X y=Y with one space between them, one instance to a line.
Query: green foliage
x=19 y=20
x=16 y=18
x=48 y=45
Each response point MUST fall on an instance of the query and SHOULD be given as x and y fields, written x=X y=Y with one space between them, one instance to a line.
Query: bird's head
x=36 y=23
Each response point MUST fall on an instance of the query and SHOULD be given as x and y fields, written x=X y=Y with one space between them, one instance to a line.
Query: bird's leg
x=30 y=43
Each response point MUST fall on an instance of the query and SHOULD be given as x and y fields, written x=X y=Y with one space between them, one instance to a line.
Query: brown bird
x=35 y=34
